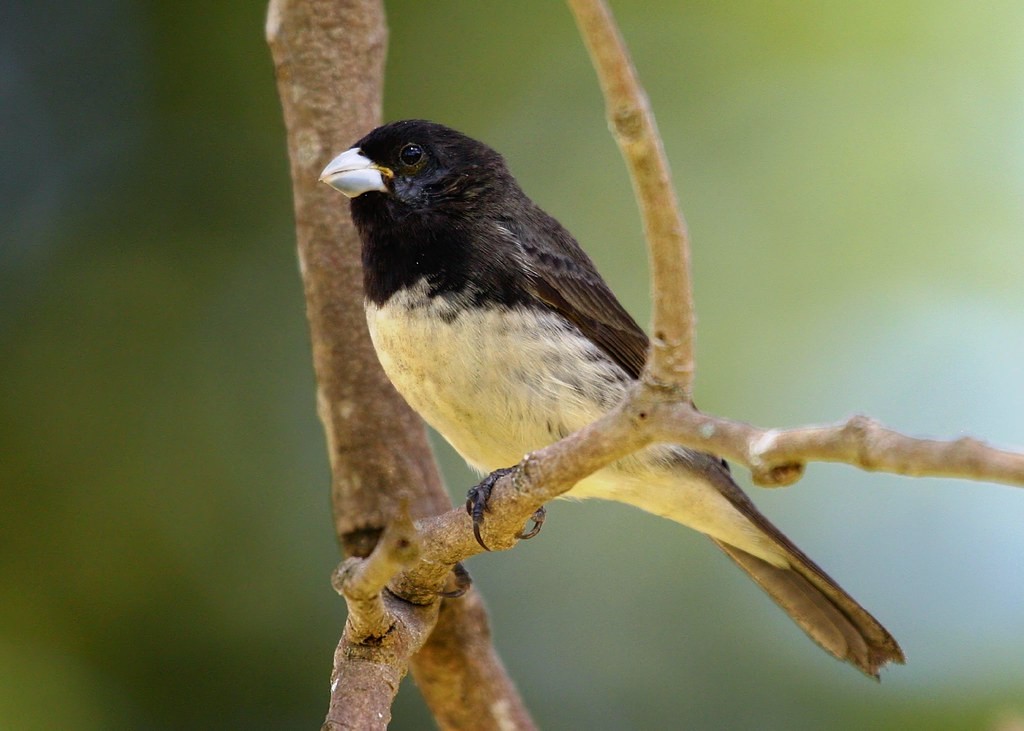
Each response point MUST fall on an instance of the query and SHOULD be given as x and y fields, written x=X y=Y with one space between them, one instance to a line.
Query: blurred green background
x=853 y=176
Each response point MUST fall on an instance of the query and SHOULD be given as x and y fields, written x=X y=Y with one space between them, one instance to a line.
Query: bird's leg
x=476 y=505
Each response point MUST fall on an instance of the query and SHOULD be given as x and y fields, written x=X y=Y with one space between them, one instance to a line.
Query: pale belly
x=494 y=383
x=498 y=384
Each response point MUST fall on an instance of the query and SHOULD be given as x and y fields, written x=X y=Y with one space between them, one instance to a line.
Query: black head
x=429 y=167
x=432 y=204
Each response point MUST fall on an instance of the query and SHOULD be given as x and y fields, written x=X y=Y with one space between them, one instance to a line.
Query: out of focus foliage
x=853 y=175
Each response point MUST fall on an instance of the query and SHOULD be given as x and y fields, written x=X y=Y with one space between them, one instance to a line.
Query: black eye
x=411 y=154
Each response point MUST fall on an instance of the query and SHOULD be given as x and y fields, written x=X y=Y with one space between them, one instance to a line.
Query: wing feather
x=563 y=277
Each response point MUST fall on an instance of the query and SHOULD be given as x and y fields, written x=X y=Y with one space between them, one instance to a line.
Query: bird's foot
x=476 y=506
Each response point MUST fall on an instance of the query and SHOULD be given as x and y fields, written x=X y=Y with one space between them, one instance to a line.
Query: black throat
x=465 y=258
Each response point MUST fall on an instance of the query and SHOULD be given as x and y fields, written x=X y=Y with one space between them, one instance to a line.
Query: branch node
x=673 y=391
x=779 y=475
x=342 y=575
x=968 y=446
x=627 y=122
x=362 y=580
x=859 y=426
x=857 y=432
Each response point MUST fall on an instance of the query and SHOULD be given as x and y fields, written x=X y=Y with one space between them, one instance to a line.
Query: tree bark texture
x=329 y=62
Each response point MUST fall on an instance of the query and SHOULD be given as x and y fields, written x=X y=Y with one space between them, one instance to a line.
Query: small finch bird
x=497 y=329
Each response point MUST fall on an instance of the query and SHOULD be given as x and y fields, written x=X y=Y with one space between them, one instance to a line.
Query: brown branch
x=329 y=60
x=863 y=442
x=632 y=122
x=381 y=631
x=367 y=674
x=776 y=457
x=362 y=580
x=461 y=675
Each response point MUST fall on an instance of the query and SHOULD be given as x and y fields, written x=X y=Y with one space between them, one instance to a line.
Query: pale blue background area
x=853 y=176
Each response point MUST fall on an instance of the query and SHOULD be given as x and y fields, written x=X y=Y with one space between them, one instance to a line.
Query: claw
x=476 y=506
x=476 y=501
x=538 y=517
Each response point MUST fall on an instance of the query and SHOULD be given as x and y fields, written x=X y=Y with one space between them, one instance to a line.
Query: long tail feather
x=828 y=615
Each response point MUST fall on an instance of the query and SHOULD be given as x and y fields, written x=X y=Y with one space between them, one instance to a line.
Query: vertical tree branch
x=329 y=60
x=329 y=57
x=632 y=122
x=461 y=676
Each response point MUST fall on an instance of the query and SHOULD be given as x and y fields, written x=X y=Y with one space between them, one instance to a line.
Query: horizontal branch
x=776 y=457
x=863 y=442
x=649 y=415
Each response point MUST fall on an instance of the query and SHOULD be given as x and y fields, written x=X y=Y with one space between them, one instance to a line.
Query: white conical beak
x=353 y=174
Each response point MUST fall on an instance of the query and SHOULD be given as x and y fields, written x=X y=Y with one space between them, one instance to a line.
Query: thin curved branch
x=632 y=122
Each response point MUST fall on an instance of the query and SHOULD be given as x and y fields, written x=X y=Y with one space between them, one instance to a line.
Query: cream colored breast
x=495 y=382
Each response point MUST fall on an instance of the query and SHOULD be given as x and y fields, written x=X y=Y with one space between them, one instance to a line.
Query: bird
x=495 y=326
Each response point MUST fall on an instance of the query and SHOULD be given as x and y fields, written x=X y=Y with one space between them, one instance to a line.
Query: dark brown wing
x=563 y=277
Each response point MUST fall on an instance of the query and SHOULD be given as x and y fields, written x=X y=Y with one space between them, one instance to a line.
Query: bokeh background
x=853 y=175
